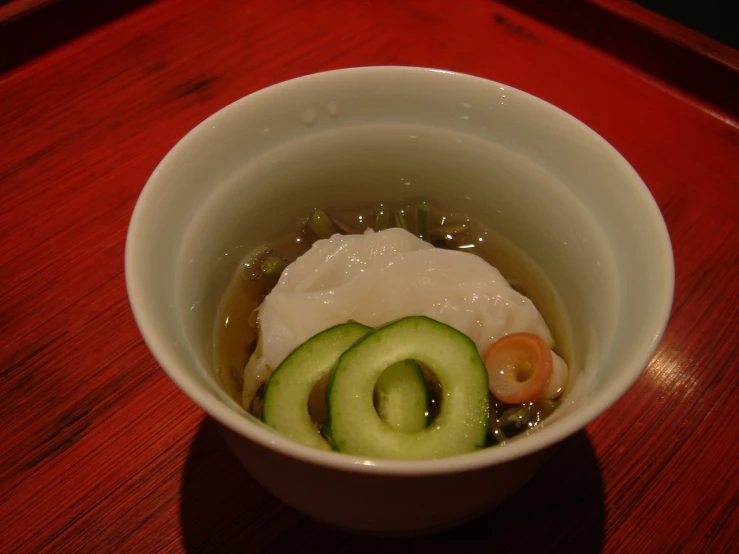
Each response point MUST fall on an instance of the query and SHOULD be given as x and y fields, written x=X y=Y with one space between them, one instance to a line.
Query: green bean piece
x=273 y=265
x=345 y=229
x=400 y=219
x=382 y=219
x=496 y=431
x=251 y=270
x=544 y=408
x=321 y=225
x=422 y=220
x=518 y=416
x=449 y=231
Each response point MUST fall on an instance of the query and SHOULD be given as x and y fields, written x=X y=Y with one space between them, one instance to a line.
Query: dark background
x=718 y=19
x=58 y=21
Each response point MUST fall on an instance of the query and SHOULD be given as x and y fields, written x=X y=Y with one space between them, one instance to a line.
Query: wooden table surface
x=100 y=451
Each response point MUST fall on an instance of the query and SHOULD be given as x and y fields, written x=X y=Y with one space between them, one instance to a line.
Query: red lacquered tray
x=100 y=451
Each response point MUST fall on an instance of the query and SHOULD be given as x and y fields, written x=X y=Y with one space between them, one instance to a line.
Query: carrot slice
x=519 y=366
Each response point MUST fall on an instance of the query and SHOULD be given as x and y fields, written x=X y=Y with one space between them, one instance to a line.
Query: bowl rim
x=539 y=440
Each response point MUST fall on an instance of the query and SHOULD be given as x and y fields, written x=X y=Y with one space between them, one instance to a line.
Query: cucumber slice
x=402 y=399
x=401 y=388
x=461 y=426
x=288 y=389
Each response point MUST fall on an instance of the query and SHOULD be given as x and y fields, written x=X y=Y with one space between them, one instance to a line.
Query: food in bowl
x=390 y=333
x=512 y=162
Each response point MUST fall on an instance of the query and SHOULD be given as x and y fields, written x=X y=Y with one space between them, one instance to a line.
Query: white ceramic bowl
x=360 y=136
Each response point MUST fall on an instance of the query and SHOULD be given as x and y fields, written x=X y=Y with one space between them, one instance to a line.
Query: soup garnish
x=385 y=402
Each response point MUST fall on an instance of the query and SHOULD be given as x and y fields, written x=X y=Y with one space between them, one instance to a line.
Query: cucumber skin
x=291 y=377
x=462 y=425
x=418 y=421
x=295 y=378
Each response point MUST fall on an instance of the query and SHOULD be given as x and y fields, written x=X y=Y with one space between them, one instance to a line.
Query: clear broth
x=236 y=328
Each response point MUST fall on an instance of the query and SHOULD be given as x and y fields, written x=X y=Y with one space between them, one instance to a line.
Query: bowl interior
x=355 y=138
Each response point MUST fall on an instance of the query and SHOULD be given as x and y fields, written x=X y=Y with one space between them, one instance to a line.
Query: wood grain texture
x=643 y=49
x=102 y=453
x=20 y=8
x=54 y=23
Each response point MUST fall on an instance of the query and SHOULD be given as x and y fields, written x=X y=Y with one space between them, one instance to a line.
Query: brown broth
x=236 y=333
x=236 y=328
